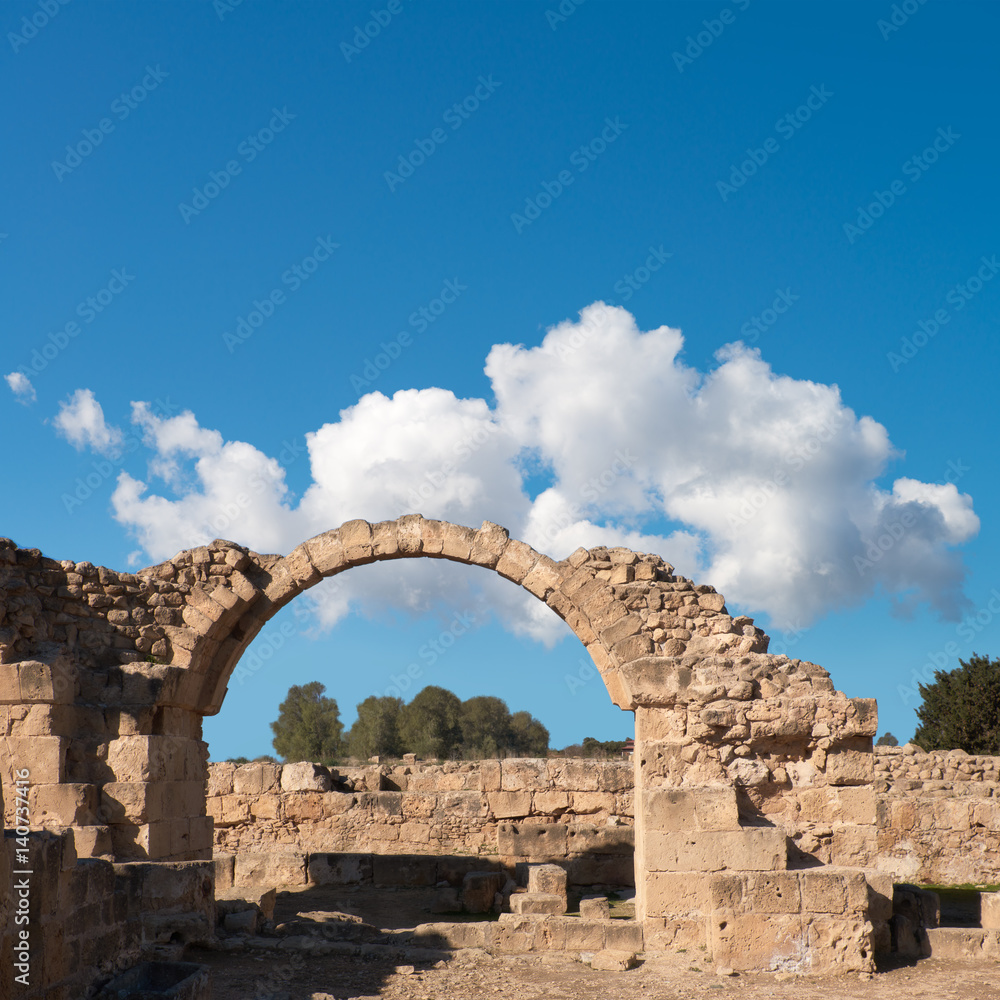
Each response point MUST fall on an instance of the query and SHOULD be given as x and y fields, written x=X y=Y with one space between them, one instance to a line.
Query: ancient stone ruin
x=751 y=819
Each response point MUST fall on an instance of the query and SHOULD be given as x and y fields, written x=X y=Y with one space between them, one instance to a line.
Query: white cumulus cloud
x=21 y=386
x=763 y=485
x=81 y=421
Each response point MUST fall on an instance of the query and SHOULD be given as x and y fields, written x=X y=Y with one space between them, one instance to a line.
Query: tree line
x=435 y=725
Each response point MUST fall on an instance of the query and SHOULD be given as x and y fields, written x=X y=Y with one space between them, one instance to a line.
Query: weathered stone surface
x=595 y=908
x=607 y=960
x=537 y=902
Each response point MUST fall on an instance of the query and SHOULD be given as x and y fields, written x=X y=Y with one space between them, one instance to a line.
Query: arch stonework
x=746 y=763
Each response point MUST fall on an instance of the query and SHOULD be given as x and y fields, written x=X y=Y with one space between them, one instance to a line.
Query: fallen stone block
x=613 y=961
x=479 y=890
x=547 y=878
x=595 y=908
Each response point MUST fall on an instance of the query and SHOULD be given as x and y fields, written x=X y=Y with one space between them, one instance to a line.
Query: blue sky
x=252 y=218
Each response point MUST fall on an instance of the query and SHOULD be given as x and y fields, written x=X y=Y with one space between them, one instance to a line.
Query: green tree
x=961 y=708
x=485 y=724
x=529 y=737
x=376 y=730
x=887 y=740
x=308 y=726
x=429 y=724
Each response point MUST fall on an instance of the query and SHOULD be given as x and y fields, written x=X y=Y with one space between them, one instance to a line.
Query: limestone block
x=550 y=803
x=509 y=805
x=520 y=775
x=752 y=849
x=229 y=810
x=91 y=841
x=588 y=838
x=340 y=869
x=595 y=908
x=608 y=960
x=537 y=902
x=632 y=648
x=962 y=943
x=279 y=867
x=622 y=629
x=490 y=776
x=833 y=804
x=302 y=807
x=577 y=775
x=850 y=767
x=356 y=537
x=746 y=943
x=143 y=840
x=269 y=806
x=44 y=756
x=674 y=893
x=990 y=910
x=305 y=777
x=623 y=935
x=454 y=542
x=385 y=539
x=580 y=935
x=488 y=544
x=549 y=879
x=258 y=777
x=543 y=579
x=223 y=865
x=531 y=840
x=405 y=870
x=449 y=935
x=689 y=809
x=220 y=778
x=839 y=944
x=879 y=894
x=479 y=890
x=517 y=561
x=586 y=803
x=67 y=804
x=131 y=802
x=712 y=602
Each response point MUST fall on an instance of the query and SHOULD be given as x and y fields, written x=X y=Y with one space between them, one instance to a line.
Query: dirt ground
x=267 y=970
x=245 y=976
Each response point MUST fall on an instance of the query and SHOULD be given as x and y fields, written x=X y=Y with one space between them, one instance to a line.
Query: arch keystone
x=410 y=534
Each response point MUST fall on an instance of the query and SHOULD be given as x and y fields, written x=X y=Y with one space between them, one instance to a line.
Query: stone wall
x=939 y=816
x=578 y=812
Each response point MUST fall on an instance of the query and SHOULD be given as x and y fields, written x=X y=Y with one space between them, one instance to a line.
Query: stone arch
x=227 y=617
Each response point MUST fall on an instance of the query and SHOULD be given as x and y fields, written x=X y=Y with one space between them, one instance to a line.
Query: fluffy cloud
x=21 y=386
x=762 y=484
x=81 y=421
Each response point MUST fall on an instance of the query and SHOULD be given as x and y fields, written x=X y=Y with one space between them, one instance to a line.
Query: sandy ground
x=268 y=971
x=244 y=976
